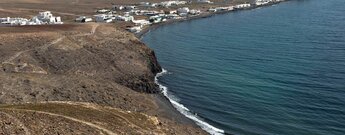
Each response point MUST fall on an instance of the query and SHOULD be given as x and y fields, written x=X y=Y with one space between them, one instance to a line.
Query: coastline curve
x=184 y=110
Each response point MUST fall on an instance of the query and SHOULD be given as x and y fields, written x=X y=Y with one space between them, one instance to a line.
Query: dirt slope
x=93 y=63
x=76 y=118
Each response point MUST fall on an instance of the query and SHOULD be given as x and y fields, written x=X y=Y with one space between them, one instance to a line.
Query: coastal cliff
x=87 y=52
x=49 y=73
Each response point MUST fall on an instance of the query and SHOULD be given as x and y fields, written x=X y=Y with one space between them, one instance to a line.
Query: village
x=139 y=15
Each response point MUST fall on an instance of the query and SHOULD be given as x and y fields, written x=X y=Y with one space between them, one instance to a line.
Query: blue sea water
x=268 y=71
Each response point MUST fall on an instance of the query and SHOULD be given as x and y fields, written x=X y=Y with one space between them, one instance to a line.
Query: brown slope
x=82 y=63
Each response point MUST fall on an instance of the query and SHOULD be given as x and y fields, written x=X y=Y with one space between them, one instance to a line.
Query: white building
x=170 y=3
x=103 y=18
x=241 y=6
x=212 y=10
x=48 y=18
x=194 y=12
x=103 y=11
x=148 y=4
x=14 y=21
x=150 y=13
x=42 y=18
x=124 y=18
x=145 y=4
x=204 y=1
x=262 y=2
x=141 y=22
x=184 y=10
x=157 y=19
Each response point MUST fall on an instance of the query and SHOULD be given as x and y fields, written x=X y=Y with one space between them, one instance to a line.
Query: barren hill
x=90 y=63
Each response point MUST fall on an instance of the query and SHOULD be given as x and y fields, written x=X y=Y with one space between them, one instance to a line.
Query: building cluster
x=161 y=16
x=107 y=18
x=163 y=13
x=219 y=9
x=265 y=2
x=204 y=1
x=165 y=4
x=127 y=13
x=230 y=8
x=153 y=12
x=244 y=6
x=41 y=19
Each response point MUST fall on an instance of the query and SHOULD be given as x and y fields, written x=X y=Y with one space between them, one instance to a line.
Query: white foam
x=185 y=111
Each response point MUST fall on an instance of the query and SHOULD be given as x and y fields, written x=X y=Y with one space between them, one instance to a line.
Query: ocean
x=276 y=70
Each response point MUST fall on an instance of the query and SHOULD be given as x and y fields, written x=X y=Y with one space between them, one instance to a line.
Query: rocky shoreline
x=202 y=15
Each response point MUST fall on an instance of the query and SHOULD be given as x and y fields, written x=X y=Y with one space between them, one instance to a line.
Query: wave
x=185 y=111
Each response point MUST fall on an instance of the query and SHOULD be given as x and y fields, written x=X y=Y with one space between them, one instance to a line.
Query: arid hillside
x=77 y=118
x=90 y=63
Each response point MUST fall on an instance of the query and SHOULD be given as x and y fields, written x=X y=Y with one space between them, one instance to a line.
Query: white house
x=157 y=19
x=103 y=18
x=42 y=18
x=103 y=11
x=145 y=4
x=212 y=10
x=124 y=18
x=14 y=21
x=204 y=1
x=141 y=22
x=184 y=10
x=241 y=6
x=262 y=2
x=194 y=12
x=170 y=3
x=47 y=17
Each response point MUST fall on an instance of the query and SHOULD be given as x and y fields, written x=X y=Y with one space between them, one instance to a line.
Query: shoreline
x=146 y=30
x=162 y=99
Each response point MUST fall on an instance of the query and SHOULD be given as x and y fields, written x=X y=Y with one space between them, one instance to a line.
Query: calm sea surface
x=273 y=70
